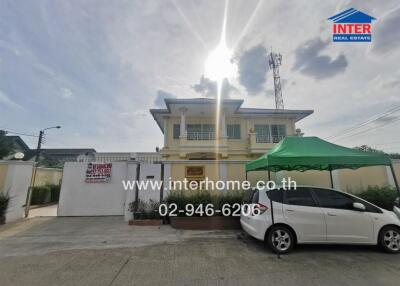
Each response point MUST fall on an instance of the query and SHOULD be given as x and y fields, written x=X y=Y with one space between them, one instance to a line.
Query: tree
x=367 y=148
x=6 y=145
x=50 y=162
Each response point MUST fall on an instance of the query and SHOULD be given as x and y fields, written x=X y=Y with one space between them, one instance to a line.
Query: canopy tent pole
x=246 y=175
x=394 y=178
x=330 y=175
x=269 y=175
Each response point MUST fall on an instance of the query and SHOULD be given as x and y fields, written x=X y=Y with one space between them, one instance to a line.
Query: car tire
x=389 y=239
x=280 y=239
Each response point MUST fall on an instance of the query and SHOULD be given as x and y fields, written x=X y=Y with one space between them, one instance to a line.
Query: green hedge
x=4 y=200
x=381 y=196
x=45 y=194
x=196 y=198
x=145 y=210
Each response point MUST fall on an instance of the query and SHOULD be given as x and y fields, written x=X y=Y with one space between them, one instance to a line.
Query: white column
x=167 y=176
x=223 y=124
x=165 y=131
x=130 y=194
x=183 y=121
x=336 y=179
x=279 y=177
x=223 y=173
x=389 y=176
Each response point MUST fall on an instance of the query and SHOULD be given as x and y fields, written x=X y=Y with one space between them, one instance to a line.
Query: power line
x=387 y=143
x=366 y=122
x=19 y=133
x=368 y=130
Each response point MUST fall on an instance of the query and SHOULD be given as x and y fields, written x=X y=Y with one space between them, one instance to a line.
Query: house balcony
x=199 y=136
x=202 y=142
x=260 y=143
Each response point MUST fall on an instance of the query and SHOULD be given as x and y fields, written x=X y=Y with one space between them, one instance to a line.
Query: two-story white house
x=196 y=146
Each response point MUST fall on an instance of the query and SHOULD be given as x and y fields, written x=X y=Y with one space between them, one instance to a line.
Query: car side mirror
x=359 y=206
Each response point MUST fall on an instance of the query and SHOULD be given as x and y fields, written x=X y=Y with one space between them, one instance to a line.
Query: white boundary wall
x=78 y=198
x=16 y=185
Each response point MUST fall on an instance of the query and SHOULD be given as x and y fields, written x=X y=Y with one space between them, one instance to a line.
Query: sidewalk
x=41 y=235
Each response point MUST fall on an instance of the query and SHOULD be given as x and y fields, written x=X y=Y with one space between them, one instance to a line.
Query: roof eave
x=154 y=111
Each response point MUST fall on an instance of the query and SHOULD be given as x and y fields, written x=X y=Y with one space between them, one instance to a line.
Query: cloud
x=387 y=34
x=208 y=88
x=386 y=85
x=7 y=101
x=66 y=93
x=310 y=62
x=161 y=95
x=253 y=67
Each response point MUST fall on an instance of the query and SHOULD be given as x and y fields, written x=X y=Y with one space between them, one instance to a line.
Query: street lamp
x=41 y=134
x=34 y=170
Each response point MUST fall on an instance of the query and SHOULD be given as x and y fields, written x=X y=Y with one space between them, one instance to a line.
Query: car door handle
x=290 y=210
x=332 y=214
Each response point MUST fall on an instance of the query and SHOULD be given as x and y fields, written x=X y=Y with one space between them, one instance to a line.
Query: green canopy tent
x=312 y=153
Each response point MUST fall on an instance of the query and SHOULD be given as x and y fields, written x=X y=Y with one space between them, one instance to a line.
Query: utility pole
x=34 y=170
x=275 y=61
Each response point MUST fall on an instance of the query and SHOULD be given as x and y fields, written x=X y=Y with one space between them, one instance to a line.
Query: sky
x=97 y=67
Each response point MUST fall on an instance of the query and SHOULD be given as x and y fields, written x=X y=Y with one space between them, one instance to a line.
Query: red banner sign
x=98 y=173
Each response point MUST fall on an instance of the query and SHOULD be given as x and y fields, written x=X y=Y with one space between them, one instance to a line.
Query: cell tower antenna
x=275 y=61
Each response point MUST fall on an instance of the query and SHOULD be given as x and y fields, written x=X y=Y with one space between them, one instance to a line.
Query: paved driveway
x=105 y=251
x=49 y=210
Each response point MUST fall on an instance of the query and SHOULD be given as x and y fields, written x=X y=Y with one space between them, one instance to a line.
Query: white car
x=396 y=207
x=317 y=215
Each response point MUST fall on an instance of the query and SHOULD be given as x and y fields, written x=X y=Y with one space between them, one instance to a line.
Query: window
x=278 y=132
x=369 y=207
x=336 y=200
x=208 y=128
x=333 y=199
x=233 y=131
x=193 y=128
x=248 y=196
x=255 y=198
x=263 y=135
x=299 y=197
x=201 y=131
x=275 y=195
x=176 y=131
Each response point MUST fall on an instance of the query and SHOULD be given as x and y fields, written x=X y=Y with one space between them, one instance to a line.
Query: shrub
x=55 y=193
x=143 y=210
x=381 y=196
x=4 y=200
x=201 y=197
x=45 y=194
x=40 y=195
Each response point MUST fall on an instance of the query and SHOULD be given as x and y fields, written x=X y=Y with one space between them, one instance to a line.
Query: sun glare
x=219 y=65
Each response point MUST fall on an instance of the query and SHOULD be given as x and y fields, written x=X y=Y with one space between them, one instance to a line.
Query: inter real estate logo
x=352 y=26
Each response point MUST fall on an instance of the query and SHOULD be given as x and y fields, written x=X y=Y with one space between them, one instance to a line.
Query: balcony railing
x=260 y=138
x=200 y=135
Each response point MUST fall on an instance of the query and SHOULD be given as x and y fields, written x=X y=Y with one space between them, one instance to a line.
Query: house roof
x=18 y=140
x=60 y=152
x=352 y=16
x=73 y=151
x=232 y=105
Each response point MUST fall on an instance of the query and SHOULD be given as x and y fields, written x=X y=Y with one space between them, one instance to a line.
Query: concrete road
x=105 y=251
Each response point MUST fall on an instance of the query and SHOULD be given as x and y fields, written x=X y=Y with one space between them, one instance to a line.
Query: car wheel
x=389 y=239
x=280 y=239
